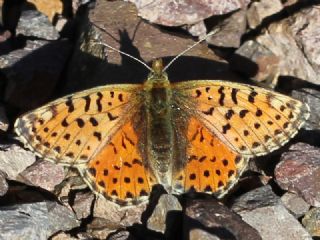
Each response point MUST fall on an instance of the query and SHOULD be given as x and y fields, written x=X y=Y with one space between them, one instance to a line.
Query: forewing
x=72 y=129
x=251 y=121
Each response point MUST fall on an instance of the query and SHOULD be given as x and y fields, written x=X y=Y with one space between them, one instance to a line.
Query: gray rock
x=163 y=218
x=263 y=210
x=35 y=220
x=311 y=222
x=311 y=97
x=115 y=214
x=257 y=198
x=295 y=204
x=14 y=159
x=33 y=72
x=83 y=204
x=35 y=24
x=209 y=219
x=299 y=172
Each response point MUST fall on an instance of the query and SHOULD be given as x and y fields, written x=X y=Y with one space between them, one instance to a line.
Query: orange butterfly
x=195 y=135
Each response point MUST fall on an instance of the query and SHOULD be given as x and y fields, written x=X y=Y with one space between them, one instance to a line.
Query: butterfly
x=186 y=136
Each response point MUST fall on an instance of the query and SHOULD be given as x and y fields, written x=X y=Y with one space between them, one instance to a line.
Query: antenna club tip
x=157 y=66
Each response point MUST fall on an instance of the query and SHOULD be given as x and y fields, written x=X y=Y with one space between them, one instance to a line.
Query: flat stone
x=295 y=204
x=166 y=214
x=14 y=159
x=299 y=172
x=43 y=174
x=209 y=219
x=35 y=24
x=258 y=11
x=311 y=221
x=37 y=220
x=82 y=204
x=167 y=13
x=261 y=209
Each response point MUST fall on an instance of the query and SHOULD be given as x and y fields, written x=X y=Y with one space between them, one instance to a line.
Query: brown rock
x=311 y=222
x=141 y=40
x=299 y=172
x=43 y=174
x=209 y=219
x=262 y=9
x=277 y=52
x=232 y=29
x=63 y=236
x=169 y=13
x=305 y=30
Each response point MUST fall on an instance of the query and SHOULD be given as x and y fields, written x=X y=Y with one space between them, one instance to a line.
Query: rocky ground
x=51 y=48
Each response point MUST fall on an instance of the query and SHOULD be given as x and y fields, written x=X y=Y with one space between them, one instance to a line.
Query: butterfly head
x=157 y=77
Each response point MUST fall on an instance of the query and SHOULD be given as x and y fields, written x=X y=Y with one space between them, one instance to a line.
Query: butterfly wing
x=120 y=171
x=251 y=121
x=72 y=129
x=210 y=166
x=223 y=125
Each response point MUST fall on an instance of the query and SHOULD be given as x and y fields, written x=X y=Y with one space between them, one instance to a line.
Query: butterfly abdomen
x=160 y=130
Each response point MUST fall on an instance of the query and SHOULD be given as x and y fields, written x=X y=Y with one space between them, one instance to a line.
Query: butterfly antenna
x=192 y=46
x=126 y=54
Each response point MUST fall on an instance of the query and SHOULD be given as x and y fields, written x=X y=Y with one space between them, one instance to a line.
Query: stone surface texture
x=299 y=172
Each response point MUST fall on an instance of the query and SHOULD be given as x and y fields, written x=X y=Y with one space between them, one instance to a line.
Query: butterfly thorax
x=160 y=135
